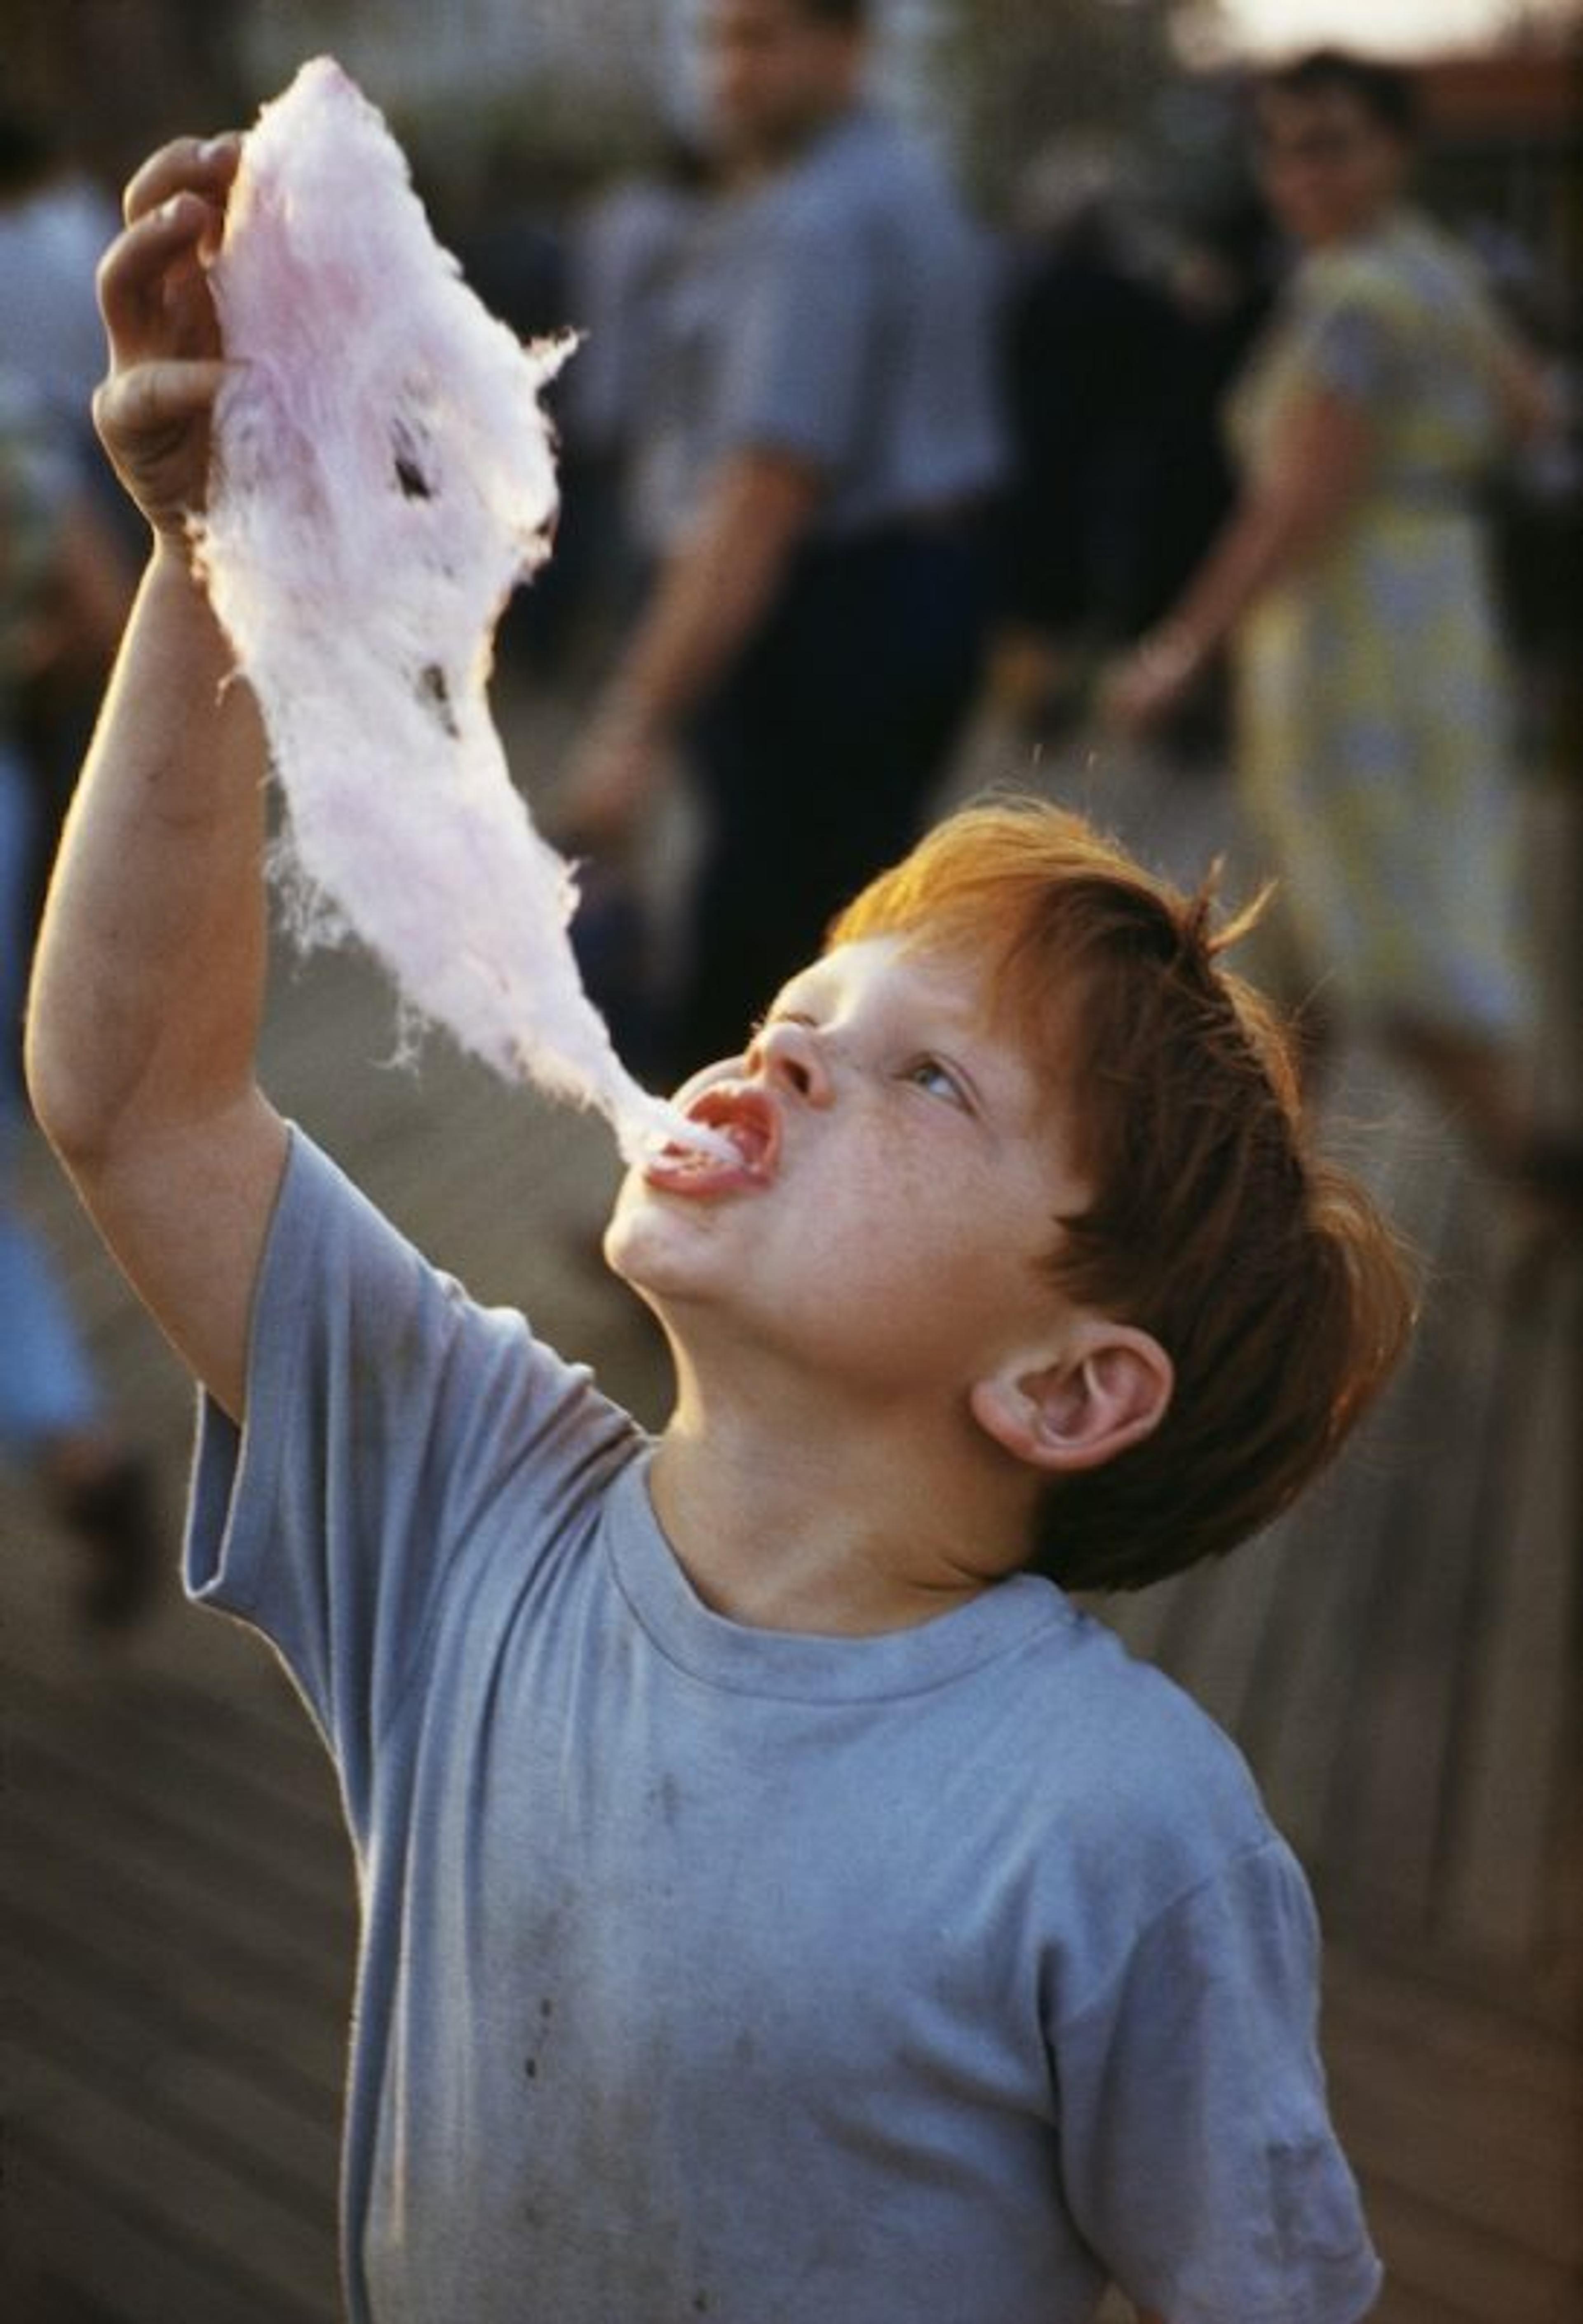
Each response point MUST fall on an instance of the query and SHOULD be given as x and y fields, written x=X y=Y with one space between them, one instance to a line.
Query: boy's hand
x=166 y=359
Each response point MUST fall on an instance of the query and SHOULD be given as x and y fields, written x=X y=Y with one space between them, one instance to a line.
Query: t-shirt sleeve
x=799 y=358
x=1199 y=2158
x=394 y=1429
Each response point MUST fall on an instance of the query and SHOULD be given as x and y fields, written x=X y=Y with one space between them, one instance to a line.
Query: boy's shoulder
x=1102 y=1819
x=1134 y=1768
x=1145 y=1724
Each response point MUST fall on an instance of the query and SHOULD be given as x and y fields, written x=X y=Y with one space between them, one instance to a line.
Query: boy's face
x=901 y=1174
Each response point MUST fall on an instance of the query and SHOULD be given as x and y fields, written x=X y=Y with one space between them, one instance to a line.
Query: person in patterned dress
x=1373 y=711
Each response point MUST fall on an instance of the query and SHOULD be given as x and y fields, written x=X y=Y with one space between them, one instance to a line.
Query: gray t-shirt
x=927 y=1978
x=842 y=313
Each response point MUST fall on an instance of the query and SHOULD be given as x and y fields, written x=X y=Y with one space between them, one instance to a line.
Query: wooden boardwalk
x=1400 y=1662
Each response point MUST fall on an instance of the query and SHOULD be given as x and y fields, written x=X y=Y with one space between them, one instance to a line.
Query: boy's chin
x=640 y=1256
x=626 y=1249
x=612 y=1247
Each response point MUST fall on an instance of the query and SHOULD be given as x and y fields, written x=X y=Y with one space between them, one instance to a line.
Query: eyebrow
x=794 y=995
x=957 y=1017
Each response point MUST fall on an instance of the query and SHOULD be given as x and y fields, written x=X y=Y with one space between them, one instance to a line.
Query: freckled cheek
x=884 y=1203
x=908 y=1221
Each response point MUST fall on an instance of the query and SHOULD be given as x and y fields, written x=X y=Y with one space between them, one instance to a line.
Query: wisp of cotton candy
x=383 y=479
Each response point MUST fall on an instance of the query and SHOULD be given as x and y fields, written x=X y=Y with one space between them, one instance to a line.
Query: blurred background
x=1399 y=1660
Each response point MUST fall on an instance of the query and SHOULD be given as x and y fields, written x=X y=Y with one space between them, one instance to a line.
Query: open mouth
x=747 y=1128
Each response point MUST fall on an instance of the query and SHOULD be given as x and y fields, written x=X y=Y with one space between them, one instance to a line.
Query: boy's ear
x=1108 y=1388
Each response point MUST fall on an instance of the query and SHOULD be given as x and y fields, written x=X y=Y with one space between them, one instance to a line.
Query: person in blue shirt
x=816 y=446
x=780 y=1901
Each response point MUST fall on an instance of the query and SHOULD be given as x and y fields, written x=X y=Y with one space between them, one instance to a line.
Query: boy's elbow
x=110 y=1074
x=97 y=1114
x=78 y=1109
x=108 y=1135
x=69 y=1112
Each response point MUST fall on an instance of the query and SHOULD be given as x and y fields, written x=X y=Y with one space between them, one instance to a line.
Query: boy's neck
x=844 y=1535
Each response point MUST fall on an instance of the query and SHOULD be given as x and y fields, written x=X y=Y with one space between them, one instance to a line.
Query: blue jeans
x=47 y=1386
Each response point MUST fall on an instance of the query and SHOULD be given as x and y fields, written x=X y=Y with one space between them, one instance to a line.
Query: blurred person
x=1221 y=279
x=629 y=249
x=60 y=607
x=1119 y=346
x=1091 y=355
x=625 y=246
x=1372 y=700
x=55 y=222
x=822 y=435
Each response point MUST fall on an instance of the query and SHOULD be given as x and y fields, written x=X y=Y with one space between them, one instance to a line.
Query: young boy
x=779 y=1901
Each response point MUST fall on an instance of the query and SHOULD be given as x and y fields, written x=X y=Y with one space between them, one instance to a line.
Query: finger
x=140 y=275
x=133 y=403
x=204 y=165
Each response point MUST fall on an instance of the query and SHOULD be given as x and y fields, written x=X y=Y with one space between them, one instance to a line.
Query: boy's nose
x=791 y=1057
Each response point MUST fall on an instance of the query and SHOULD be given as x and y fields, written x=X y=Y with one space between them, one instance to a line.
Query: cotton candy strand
x=383 y=477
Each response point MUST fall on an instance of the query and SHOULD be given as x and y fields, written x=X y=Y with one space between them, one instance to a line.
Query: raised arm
x=148 y=984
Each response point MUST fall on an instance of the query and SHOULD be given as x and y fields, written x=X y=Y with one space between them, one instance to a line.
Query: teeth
x=693 y=1159
x=710 y=1144
x=726 y=1137
x=732 y=1143
x=743 y=1142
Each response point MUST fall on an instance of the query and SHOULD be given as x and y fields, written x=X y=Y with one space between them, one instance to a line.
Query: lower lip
x=701 y=1177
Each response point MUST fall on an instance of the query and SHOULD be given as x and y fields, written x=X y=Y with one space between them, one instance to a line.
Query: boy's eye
x=929 y=1075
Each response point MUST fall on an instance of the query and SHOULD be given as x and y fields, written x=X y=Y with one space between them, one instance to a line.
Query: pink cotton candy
x=383 y=478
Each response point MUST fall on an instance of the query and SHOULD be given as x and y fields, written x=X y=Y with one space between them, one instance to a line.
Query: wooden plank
x=1477 y=2150
x=181 y=2200
x=1514 y=1810
x=1439 y=2270
x=1215 y=1641
x=1465 y=2126
x=77 y=2256
x=273 y=2129
x=1328 y=1549
x=1400 y=2143
x=1402 y=2303
x=168 y=1918
x=145 y=1796
x=134 y=1838
x=1305 y=1699
x=1408 y=2018
x=1380 y=1840
x=155 y=1706
x=222 y=1993
x=177 y=1665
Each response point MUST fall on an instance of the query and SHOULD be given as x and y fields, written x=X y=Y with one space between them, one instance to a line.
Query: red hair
x=1265 y=1272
